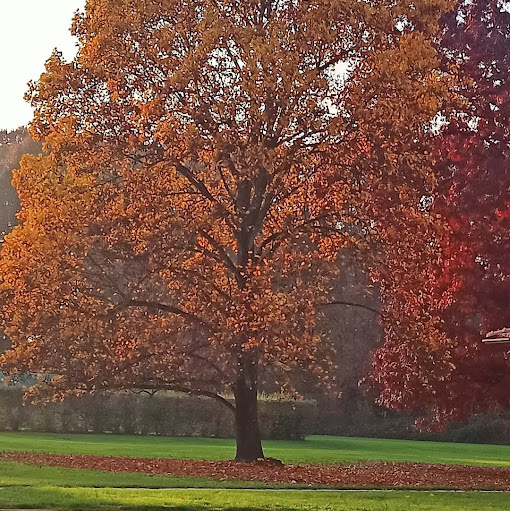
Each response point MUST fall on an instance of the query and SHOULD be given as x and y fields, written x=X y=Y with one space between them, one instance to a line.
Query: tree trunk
x=248 y=441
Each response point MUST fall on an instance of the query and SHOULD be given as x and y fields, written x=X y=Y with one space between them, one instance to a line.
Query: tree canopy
x=469 y=289
x=205 y=162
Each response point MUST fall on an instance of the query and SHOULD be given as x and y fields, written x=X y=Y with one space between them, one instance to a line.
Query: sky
x=29 y=31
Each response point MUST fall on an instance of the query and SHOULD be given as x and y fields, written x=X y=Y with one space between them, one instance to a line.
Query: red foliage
x=470 y=287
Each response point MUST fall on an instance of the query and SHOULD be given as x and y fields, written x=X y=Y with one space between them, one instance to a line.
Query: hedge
x=178 y=415
x=169 y=415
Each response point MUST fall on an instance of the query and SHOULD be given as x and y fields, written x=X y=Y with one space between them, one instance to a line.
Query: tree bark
x=248 y=440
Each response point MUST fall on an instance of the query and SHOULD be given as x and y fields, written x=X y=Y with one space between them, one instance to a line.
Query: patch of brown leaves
x=374 y=474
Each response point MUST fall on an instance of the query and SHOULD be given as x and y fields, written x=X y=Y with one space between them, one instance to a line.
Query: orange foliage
x=205 y=163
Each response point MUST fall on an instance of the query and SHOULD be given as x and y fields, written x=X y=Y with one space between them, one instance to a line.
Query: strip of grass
x=17 y=474
x=315 y=449
x=248 y=500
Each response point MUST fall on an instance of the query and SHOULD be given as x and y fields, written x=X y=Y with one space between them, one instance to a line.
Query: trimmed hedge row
x=174 y=415
x=147 y=415
x=359 y=417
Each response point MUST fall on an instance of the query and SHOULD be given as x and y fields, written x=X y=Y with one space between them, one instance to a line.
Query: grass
x=60 y=488
x=315 y=449
x=209 y=500
x=17 y=474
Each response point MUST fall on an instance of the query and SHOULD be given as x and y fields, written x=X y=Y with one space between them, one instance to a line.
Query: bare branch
x=195 y=392
x=353 y=304
x=176 y=387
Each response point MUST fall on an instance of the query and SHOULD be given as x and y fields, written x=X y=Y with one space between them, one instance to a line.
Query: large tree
x=205 y=162
x=470 y=286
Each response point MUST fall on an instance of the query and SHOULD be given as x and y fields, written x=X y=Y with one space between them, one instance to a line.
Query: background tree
x=470 y=289
x=206 y=160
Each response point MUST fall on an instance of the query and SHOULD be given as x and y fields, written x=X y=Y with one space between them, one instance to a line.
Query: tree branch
x=209 y=394
x=353 y=304
x=222 y=256
x=177 y=387
x=169 y=308
x=199 y=185
x=195 y=392
x=208 y=362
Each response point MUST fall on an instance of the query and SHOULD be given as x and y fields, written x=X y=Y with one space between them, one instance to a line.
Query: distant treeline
x=174 y=415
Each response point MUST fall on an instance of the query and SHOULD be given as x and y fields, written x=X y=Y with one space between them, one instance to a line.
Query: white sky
x=29 y=30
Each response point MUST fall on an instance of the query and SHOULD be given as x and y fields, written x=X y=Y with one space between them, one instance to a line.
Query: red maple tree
x=469 y=288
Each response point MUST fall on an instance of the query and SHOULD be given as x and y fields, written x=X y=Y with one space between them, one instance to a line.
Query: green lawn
x=208 y=500
x=59 y=488
x=17 y=474
x=315 y=449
